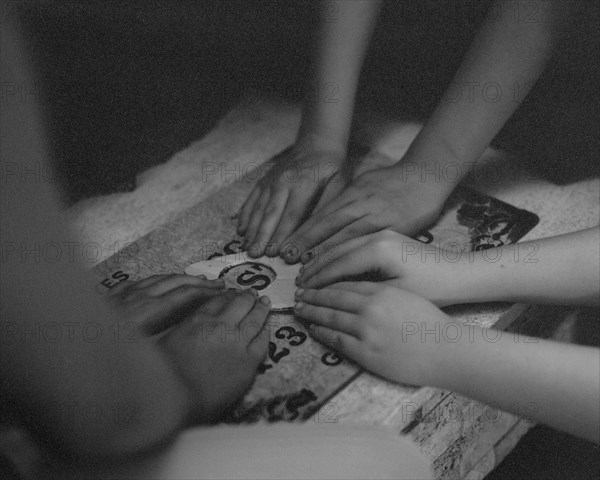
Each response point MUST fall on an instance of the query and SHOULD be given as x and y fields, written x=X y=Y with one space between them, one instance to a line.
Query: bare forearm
x=549 y=382
x=346 y=27
x=557 y=270
x=505 y=59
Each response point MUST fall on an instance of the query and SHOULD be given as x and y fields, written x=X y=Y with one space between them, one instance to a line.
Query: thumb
x=172 y=308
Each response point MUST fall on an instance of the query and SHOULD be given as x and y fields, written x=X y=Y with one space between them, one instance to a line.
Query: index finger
x=319 y=228
x=247 y=208
x=175 y=305
x=271 y=218
x=214 y=306
x=237 y=308
x=291 y=218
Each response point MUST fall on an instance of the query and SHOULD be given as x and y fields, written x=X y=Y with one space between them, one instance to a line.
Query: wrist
x=435 y=279
x=445 y=337
x=456 y=355
x=322 y=141
x=485 y=277
x=489 y=276
x=435 y=163
x=472 y=272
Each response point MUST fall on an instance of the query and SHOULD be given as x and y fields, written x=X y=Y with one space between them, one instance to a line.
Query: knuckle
x=300 y=241
x=333 y=338
x=368 y=335
x=310 y=296
x=271 y=209
x=317 y=278
x=331 y=319
x=262 y=200
x=324 y=295
x=363 y=332
x=354 y=232
x=294 y=211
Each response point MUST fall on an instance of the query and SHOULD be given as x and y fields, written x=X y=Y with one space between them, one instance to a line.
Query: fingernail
x=202 y=277
x=299 y=293
x=298 y=280
x=291 y=252
x=298 y=305
x=301 y=269
x=266 y=300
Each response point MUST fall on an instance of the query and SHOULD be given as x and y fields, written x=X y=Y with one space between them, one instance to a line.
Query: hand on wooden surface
x=218 y=349
x=283 y=197
x=387 y=198
x=378 y=326
x=160 y=301
x=390 y=257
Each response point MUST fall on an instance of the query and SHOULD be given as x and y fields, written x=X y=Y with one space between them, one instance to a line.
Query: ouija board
x=299 y=375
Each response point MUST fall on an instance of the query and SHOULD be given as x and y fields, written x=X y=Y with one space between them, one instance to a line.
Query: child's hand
x=349 y=172
x=214 y=338
x=282 y=198
x=388 y=198
x=382 y=328
x=387 y=256
x=218 y=349
x=157 y=302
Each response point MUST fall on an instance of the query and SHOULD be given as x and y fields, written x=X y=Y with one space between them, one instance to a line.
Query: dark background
x=127 y=84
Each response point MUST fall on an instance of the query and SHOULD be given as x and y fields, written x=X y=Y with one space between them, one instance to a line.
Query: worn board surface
x=300 y=377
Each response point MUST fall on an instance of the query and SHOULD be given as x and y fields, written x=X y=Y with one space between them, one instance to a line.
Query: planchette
x=270 y=276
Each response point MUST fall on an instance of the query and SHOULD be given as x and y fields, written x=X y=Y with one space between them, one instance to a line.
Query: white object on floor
x=271 y=276
x=280 y=451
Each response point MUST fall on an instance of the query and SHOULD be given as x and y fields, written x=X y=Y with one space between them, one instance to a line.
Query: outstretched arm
x=405 y=338
x=284 y=196
x=346 y=28
x=505 y=59
x=546 y=381
x=558 y=270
